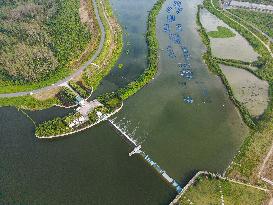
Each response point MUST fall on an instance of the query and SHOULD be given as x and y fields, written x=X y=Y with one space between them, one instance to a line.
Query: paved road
x=76 y=73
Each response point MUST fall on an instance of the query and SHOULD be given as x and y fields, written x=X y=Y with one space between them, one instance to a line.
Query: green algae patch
x=222 y=32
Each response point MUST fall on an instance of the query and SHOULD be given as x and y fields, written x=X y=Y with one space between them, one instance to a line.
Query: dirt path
x=265 y=161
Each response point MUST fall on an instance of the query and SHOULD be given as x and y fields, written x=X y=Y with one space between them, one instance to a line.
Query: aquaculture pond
x=183 y=119
x=235 y=47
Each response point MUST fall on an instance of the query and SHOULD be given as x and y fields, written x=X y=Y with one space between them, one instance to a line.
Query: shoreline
x=81 y=129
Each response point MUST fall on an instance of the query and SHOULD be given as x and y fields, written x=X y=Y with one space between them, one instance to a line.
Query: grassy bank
x=111 y=50
x=207 y=190
x=246 y=163
x=152 y=43
x=29 y=102
x=214 y=67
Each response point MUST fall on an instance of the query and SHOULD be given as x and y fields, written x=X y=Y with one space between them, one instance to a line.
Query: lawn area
x=208 y=191
x=222 y=32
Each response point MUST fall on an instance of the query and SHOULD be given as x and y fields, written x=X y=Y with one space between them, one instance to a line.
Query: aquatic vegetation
x=120 y=66
x=222 y=32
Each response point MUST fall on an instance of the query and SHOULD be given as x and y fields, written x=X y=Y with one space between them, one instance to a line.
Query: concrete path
x=76 y=73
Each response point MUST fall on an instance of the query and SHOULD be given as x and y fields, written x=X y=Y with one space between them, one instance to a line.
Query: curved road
x=76 y=73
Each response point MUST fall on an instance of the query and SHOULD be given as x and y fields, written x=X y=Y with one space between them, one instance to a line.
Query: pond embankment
x=235 y=47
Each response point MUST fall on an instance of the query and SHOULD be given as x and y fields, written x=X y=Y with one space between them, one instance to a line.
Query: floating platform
x=188 y=100
x=179 y=28
x=171 y=18
x=166 y=28
x=174 y=37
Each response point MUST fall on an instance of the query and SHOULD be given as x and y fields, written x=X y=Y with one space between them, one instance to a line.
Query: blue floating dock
x=170 y=18
x=166 y=28
x=170 y=52
x=188 y=100
x=186 y=74
x=169 y=9
x=179 y=28
x=174 y=37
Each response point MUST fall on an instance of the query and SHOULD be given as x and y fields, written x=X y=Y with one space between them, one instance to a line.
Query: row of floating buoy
x=170 y=52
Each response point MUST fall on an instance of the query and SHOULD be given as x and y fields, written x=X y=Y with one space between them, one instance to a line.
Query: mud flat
x=248 y=89
x=231 y=48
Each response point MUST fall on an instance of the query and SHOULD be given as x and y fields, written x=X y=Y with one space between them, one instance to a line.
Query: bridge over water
x=147 y=158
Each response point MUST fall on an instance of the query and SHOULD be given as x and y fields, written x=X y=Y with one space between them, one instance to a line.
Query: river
x=93 y=167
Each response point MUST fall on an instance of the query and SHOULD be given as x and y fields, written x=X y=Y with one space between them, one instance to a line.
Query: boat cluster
x=175 y=38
